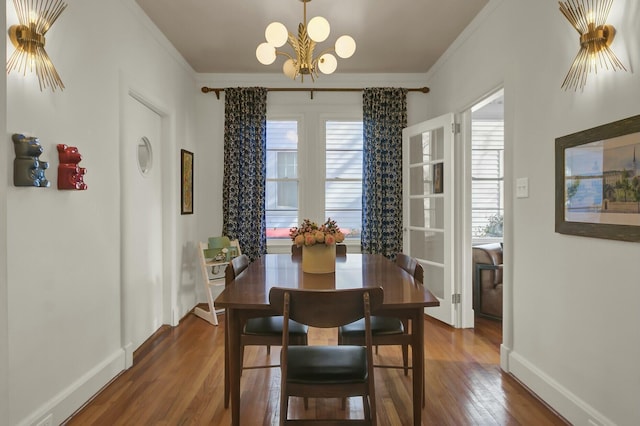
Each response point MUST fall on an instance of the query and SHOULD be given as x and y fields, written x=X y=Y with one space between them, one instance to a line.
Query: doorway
x=487 y=205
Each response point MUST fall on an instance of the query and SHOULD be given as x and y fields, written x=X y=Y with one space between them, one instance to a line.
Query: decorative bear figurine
x=28 y=170
x=70 y=175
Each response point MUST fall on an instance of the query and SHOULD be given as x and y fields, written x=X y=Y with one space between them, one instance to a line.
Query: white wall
x=571 y=325
x=4 y=305
x=572 y=330
x=63 y=273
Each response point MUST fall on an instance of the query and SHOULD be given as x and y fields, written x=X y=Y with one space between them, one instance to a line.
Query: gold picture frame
x=186 y=186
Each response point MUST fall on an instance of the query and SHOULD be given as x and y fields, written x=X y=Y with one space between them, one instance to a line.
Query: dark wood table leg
x=227 y=390
x=234 y=364
x=418 y=364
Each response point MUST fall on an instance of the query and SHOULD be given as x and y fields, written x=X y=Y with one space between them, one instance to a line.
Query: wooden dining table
x=248 y=296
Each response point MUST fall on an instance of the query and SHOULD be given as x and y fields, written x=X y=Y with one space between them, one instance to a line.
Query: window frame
x=312 y=158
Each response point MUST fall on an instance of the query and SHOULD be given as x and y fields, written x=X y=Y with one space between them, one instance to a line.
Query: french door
x=428 y=199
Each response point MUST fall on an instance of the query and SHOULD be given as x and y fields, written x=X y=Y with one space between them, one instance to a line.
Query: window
x=343 y=184
x=281 y=198
x=487 y=178
x=318 y=174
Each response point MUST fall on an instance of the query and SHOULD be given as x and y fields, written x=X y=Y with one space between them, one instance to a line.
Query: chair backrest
x=203 y=262
x=235 y=266
x=325 y=308
x=411 y=265
x=296 y=250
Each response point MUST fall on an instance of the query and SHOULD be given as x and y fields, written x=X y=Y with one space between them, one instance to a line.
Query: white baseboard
x=128 y=355
x=504 y=357
x=69 y=400
x=567 y=404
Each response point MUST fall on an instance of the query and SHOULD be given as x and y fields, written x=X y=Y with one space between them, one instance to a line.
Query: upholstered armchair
x=487 y=280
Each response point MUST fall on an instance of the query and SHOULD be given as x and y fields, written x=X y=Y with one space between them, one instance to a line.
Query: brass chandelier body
x=303 y=62
x=588 y=17
x=36 y=18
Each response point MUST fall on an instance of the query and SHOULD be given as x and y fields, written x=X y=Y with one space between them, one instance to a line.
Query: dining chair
x=262 y=331
x=386 y=330
x=327 y=371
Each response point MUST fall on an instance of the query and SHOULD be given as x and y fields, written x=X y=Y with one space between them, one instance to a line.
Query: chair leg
x=367 y=409
x=268 y=349
x=241 y=358
x=306 y=403
x=284 y=408
x=405 y=359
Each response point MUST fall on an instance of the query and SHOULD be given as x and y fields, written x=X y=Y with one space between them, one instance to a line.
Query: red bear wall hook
x=70 y=175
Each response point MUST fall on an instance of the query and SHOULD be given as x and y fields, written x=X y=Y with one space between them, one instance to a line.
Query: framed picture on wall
x=438 y=178
x=186 y=186
x=598 y=181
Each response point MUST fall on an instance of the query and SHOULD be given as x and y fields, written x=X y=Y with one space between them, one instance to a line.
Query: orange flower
x=309 y=233
x=309 y=239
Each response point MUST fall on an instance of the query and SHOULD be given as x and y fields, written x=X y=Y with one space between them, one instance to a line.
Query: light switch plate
x=522 y=187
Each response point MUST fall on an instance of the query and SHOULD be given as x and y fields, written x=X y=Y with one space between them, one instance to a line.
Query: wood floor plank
x=177 y=379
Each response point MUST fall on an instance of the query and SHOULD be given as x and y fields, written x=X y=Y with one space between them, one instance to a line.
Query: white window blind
x=343 y=184
x=487 y=163
x=281 y=196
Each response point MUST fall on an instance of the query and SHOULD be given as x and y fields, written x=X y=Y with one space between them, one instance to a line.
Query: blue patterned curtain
x=384 y=116
x=243 y=187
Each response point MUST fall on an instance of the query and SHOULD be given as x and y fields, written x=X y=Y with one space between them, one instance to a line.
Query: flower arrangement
x=309 y=233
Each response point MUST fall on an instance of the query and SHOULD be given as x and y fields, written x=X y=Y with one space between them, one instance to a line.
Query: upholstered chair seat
x=273 y=326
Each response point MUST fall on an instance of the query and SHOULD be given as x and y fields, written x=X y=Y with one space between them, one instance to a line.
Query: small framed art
x=186 y=186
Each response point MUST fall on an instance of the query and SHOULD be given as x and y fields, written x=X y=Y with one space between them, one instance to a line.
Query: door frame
x=448 y=311
x=465 y=193
x=168 y=165
x=465 y=237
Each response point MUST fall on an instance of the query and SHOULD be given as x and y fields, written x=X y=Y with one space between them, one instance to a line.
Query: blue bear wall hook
x=28 y=170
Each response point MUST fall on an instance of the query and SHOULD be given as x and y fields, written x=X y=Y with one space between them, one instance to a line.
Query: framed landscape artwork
x=598 y=181
x=186 y=186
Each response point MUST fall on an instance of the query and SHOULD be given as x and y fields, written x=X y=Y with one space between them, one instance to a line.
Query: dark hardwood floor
x=177 y=379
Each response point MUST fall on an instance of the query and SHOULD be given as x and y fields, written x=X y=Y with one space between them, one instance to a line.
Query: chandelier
x=302 y=62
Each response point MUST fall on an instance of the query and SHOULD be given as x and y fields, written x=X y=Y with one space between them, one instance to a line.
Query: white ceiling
x=392 y=36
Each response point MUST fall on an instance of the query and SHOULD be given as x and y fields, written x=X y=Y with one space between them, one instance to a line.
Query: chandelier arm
x=280 y=52
x=314 y=62
x=327 y=50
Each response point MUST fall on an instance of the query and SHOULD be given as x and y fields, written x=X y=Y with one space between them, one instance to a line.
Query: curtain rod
x=308 y=89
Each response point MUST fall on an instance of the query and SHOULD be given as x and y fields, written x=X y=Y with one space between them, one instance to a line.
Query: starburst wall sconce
x=589 y=17
x=36 y=18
